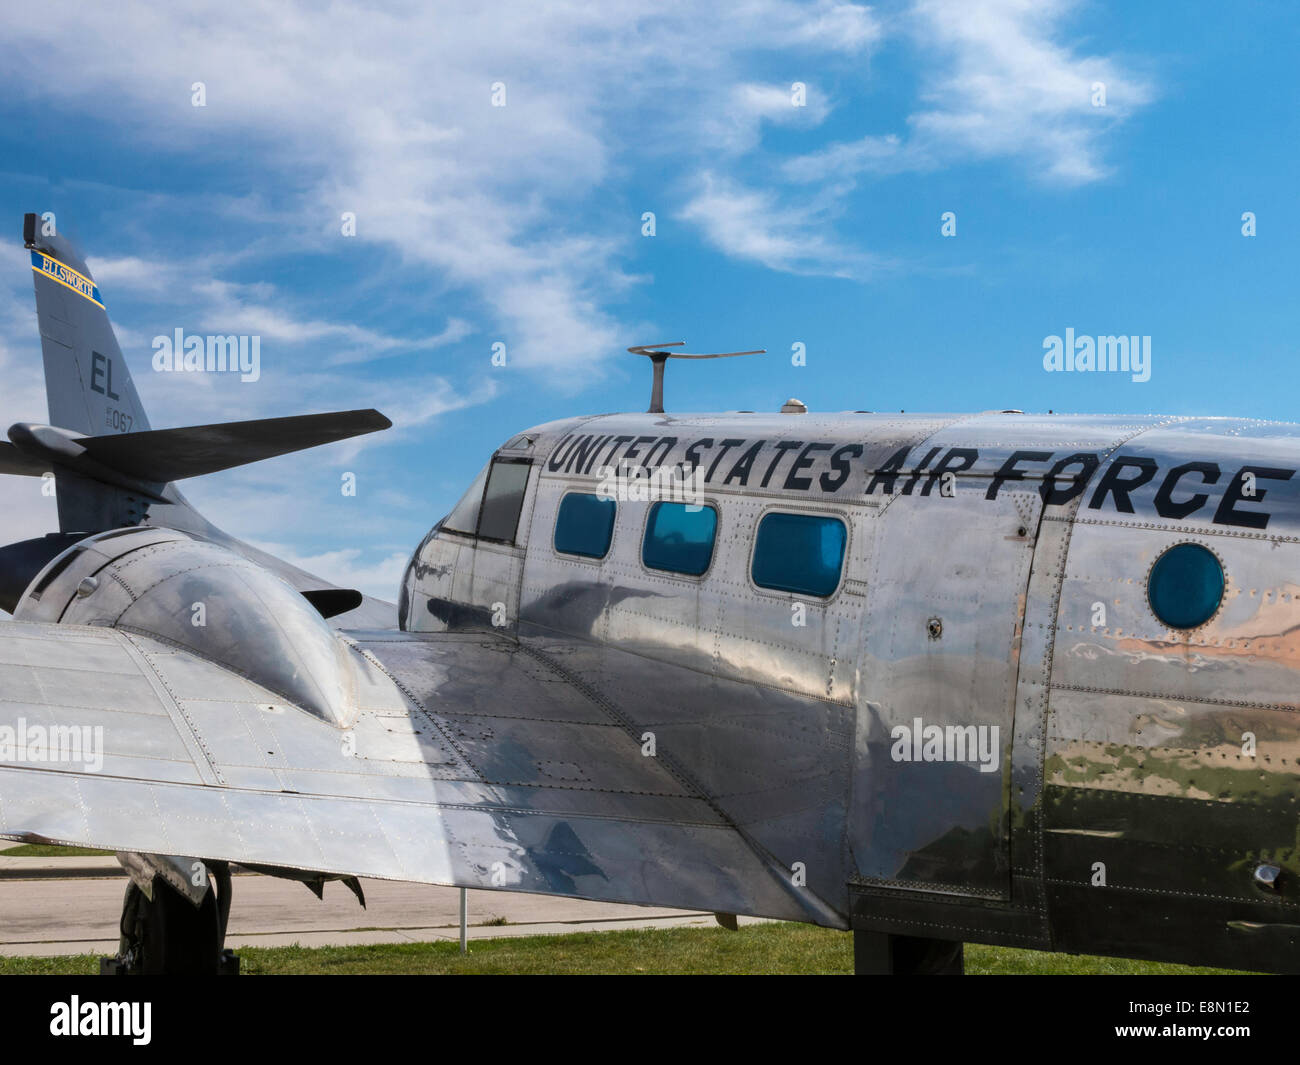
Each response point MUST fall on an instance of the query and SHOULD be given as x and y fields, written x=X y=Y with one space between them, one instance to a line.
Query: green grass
x=764 y=948
x=46 y=850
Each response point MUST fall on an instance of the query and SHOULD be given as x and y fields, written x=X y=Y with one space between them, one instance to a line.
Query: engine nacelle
x=205 y=599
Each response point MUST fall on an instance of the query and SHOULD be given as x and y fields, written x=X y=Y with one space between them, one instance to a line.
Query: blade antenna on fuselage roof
x=659 y=358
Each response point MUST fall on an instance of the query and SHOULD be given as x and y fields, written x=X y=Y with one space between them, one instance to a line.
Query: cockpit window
x=464 y=516
x=504 y=499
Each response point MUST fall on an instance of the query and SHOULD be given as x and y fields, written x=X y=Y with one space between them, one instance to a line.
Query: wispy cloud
x=756 y=225
x=1006 y=85
x=389 y=115
x=998 y=81
x=348 y=568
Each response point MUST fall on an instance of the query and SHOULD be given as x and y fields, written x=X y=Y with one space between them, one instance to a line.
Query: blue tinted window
x=799 y=553
x=584 y=525
x=1186 y=586
x=679 y=538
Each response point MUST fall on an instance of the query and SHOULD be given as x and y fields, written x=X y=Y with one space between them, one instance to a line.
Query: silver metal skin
x=592 y=727
x=970 y=608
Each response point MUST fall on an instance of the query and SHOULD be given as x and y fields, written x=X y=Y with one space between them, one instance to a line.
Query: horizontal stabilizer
x=162 y=455
x=20 y=463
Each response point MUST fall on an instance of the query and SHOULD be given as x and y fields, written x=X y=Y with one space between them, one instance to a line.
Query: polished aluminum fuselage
x=995 y=576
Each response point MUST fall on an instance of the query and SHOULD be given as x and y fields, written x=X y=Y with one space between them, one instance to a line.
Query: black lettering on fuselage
x=726 y=446
x=619 y=441
x=840 y=464
x=1167 y=507
x=1010 y=471
x=663 y=445
x=1175 y=497
x=1058 y=497
x=634 y=449
x=741 y=470
x=1114 y=483
x=595 y=450
x=559 y=453
x=887 y=475
x=916 y=473
x=581 y=451
x=1234 y=493
x=957 y=459
x=693 y=458
x=803 y=462
x=782 y=446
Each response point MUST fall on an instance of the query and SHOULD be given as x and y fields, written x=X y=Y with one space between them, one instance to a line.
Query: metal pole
x=659 y=359
x=464 y=919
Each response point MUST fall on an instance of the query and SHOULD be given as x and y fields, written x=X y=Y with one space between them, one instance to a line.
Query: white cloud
x=1008 y=86
x=871 y=154
x=388 y=114
x=736 y=126
x=128 y=272
x=849 y=28
x=755 y=225
x=348 y=568
x=997 y=82
x=258 y=310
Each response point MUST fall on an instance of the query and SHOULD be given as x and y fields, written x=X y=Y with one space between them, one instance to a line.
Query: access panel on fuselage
x=940 y=657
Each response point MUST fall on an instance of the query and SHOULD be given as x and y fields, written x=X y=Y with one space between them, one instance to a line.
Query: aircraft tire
x=169 y=934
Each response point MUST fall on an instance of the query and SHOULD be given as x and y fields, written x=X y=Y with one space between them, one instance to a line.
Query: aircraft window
x=584 y=525
x=679 y=538
x=1186 y=586
x=800 y=553
x=464 y=516
x=499 y=517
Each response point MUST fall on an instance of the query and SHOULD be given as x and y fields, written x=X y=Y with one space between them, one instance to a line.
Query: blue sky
x=776 y=224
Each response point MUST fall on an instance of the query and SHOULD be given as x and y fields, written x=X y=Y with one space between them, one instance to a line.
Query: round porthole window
x=1186 y=586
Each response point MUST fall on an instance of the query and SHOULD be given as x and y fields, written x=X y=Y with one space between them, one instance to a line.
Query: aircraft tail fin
x=109 y=466
x=87 y=384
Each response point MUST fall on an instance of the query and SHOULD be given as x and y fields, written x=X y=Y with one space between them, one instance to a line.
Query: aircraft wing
x=469 y=760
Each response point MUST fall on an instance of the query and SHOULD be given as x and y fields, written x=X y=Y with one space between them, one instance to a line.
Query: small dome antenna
x=659 y=357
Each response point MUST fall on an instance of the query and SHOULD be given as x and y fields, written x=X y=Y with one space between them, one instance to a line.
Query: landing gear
x=883 y=954
x=169 y=934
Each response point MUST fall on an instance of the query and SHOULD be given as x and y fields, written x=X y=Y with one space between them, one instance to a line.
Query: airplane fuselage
x=955 y=674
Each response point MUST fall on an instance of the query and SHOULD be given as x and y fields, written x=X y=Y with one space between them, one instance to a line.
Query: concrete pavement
x=54 y=906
